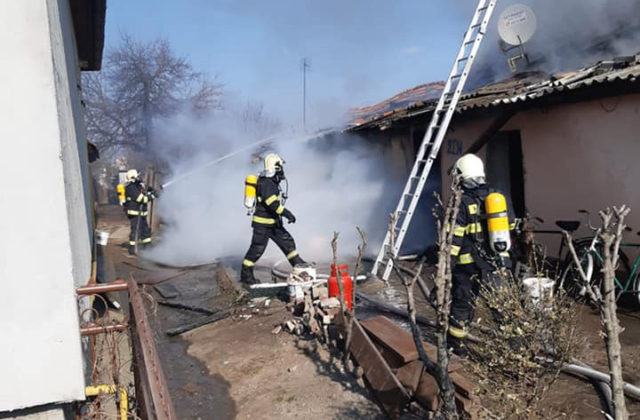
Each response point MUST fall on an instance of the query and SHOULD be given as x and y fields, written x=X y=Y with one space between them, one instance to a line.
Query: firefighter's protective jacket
x=269 y=208
x=470 y=239
x=136 y=199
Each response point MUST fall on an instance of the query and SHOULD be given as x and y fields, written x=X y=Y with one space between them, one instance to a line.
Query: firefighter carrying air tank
x=481 y=241
x=267 y=217
x=136 y=199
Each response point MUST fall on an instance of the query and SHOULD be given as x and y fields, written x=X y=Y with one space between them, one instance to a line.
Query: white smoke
x=331 y=188
x=570 y=34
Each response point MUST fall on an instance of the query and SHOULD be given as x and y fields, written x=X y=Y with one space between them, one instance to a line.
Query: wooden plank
x=400 y=342
x=391 y=336
x=469 y=406
x=409 y=375
x=462 y=384
x=388 y=390
x=427 y=394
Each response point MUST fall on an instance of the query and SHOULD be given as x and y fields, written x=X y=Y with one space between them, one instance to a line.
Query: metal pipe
x=93 y=329
x=154 y=392
x=629 y=390
x=118 y=285
x=320 y=277
x=123 y=403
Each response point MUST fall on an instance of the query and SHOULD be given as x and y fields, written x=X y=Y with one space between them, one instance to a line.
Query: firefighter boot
x=132 y=249
x=246 y=275
x=296 y=261
x=458 y=346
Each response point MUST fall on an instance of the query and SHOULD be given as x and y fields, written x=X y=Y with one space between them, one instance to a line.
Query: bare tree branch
x=612 y=230
x=604 y=297
x=141 y=82
x=352 y=314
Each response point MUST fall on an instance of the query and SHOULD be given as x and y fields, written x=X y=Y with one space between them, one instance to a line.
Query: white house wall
x=44 y=224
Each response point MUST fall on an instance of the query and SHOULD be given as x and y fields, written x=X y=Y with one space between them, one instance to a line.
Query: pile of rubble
x=314 y=312
x=384 y=352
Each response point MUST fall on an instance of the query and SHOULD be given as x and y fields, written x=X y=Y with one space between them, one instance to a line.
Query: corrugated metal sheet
x=521 y=88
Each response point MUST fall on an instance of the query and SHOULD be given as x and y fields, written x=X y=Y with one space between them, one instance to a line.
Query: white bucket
x=539 y=290
x=102 y=238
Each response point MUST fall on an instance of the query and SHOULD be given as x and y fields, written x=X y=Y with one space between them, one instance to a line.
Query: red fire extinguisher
x=347 y=284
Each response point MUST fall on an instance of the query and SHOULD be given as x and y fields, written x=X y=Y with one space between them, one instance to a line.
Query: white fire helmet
x=470 y=170
x=132 y=175
x=272 y=163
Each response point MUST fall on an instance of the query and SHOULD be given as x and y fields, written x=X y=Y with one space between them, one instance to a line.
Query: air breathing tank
x=498 y=222
x=121 y=197
x=250 y=184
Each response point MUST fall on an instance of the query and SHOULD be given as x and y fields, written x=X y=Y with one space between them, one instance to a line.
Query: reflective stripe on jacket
x=269 y=207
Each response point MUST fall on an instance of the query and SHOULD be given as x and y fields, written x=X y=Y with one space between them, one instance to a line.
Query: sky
x=361 y=51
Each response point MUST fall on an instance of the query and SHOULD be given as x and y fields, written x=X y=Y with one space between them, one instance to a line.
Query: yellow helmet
x=132 y=175
x=272 y=164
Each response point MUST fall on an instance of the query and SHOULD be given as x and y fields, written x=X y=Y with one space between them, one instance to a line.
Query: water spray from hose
x=235 y=152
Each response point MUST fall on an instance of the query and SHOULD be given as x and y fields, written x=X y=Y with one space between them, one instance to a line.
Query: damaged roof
x=520 y=88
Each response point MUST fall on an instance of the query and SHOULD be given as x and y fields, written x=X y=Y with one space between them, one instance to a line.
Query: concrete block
x=330 y=303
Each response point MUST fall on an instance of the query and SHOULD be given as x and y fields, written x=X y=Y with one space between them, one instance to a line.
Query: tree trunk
x=611 y=237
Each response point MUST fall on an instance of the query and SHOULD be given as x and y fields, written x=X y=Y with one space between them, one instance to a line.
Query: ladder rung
x=432 y=140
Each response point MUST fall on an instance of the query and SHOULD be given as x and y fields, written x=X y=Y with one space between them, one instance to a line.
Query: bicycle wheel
x=595 y=266
x=635 y=290
x=571 y=280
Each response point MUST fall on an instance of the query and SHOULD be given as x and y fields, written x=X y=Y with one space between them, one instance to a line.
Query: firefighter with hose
x=264 y=195
x=136 y=200
x=481 y=241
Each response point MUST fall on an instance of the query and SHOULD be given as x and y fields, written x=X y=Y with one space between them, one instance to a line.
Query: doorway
x=505 y=167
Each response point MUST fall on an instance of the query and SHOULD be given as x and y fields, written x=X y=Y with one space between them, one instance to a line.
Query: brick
x=329 y=303
x=320 y=292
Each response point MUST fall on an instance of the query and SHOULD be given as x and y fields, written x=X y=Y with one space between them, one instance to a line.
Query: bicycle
x=531 y=256
x=590 y=255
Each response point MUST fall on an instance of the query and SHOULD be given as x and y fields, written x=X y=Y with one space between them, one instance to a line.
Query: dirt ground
x=237 y=368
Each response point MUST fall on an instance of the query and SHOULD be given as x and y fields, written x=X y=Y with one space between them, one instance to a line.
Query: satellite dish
x=517 y=24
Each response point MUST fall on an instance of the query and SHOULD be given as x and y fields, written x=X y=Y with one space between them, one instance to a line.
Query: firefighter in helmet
x=137 y=198
x=267 y=219
x=474 y=259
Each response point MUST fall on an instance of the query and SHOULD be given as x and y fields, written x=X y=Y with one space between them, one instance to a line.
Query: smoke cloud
x=334 y=185
x=570 y=34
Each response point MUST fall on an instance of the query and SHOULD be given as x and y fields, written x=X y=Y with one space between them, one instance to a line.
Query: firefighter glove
x=289 y=216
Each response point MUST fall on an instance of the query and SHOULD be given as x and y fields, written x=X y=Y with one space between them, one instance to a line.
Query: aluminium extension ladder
x=435 y=133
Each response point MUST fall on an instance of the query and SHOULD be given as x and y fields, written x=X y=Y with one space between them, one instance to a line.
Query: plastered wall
x=45 y=247
x=583 y=155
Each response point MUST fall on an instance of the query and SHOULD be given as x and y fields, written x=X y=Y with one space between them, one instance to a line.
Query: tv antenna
x=516 y=25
